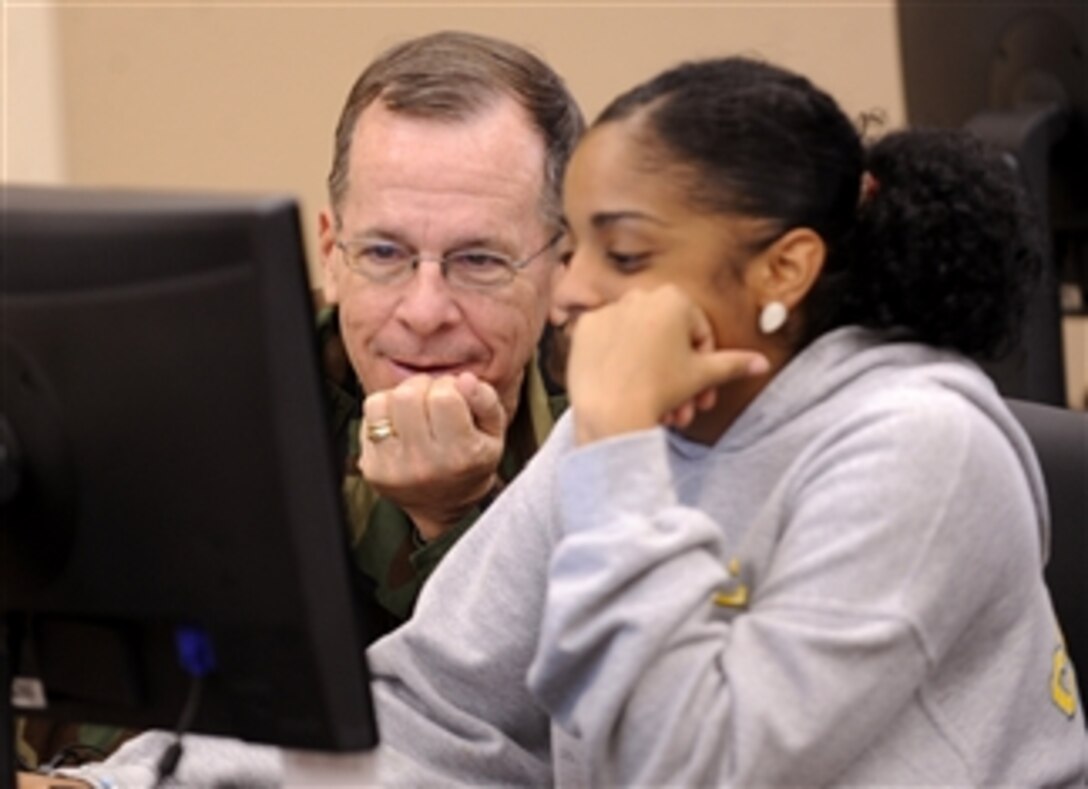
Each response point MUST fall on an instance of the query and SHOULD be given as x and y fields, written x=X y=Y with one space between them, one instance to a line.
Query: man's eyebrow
x=379 y=233
x=376 y=233
x=484 y=242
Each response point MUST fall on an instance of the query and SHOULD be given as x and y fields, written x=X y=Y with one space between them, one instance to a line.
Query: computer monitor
x=169 y=499
x=1016 y=74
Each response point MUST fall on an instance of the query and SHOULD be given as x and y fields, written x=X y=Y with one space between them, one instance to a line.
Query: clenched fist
x=443 y=454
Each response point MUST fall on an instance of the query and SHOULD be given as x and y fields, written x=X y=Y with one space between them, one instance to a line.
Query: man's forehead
x=497 y=143
x=487 y=170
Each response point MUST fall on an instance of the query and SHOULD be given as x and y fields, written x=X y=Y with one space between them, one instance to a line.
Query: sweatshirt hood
x=856 y=356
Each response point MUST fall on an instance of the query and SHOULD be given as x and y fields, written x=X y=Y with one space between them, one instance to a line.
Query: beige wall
x=1075 y=339
x=245 y=97
x=31 y=128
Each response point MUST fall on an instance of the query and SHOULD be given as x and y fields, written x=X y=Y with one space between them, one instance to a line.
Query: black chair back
x=1060 y=437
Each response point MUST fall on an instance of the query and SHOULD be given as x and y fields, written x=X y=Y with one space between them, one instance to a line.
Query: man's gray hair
x=452 y=76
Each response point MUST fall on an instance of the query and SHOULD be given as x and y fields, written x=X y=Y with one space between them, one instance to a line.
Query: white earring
x=772 y=317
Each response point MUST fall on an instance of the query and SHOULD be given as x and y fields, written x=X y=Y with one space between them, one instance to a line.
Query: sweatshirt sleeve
x=647 y=666
x=207 y=761
x=449 y=685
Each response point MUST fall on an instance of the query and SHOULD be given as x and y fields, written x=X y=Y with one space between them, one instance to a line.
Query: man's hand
x=648 y=359
x=444 y=454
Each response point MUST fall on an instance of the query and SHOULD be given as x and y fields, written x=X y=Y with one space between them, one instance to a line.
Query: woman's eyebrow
x=606 y=218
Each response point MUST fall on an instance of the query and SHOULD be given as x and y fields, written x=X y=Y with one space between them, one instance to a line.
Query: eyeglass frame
x=512 y=266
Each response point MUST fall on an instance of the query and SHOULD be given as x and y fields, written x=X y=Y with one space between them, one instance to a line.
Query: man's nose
x=428 y=304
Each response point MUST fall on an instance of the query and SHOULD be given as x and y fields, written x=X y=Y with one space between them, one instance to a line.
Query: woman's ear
x=326 y=238
x=787 y=270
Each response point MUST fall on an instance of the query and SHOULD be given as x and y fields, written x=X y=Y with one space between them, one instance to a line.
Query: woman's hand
x=647 y=359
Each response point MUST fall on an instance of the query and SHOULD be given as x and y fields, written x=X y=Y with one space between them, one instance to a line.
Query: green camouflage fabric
x=385 y=544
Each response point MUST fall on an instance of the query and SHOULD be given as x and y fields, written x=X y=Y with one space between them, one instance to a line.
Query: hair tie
x=869 y=187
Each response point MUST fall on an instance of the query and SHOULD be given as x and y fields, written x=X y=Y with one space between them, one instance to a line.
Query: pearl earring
x=772 y=317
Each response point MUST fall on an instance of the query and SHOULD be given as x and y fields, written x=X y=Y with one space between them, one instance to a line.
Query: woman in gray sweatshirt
x=787 y=533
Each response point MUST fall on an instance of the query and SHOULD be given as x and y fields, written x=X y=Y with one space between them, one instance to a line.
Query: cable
x=197 y=659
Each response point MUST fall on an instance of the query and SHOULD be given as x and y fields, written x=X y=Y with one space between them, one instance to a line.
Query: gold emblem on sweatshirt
x=735 y=592
x=1063 y=691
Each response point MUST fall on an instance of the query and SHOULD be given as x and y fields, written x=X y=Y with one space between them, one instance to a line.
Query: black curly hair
x=944 y=244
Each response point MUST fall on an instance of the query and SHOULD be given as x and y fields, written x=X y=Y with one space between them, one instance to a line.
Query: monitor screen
x=169 y=497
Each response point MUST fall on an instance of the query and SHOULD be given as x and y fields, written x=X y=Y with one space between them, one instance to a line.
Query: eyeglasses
x=390 y=263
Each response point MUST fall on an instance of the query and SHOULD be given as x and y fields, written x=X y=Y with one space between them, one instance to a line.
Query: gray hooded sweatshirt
x=846 y=589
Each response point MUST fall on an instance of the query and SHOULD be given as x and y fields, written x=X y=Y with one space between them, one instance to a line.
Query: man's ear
x=787 y=270
x=330 y=272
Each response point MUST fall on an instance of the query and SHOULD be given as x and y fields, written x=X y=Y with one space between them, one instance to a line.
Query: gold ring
x=380 y=429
